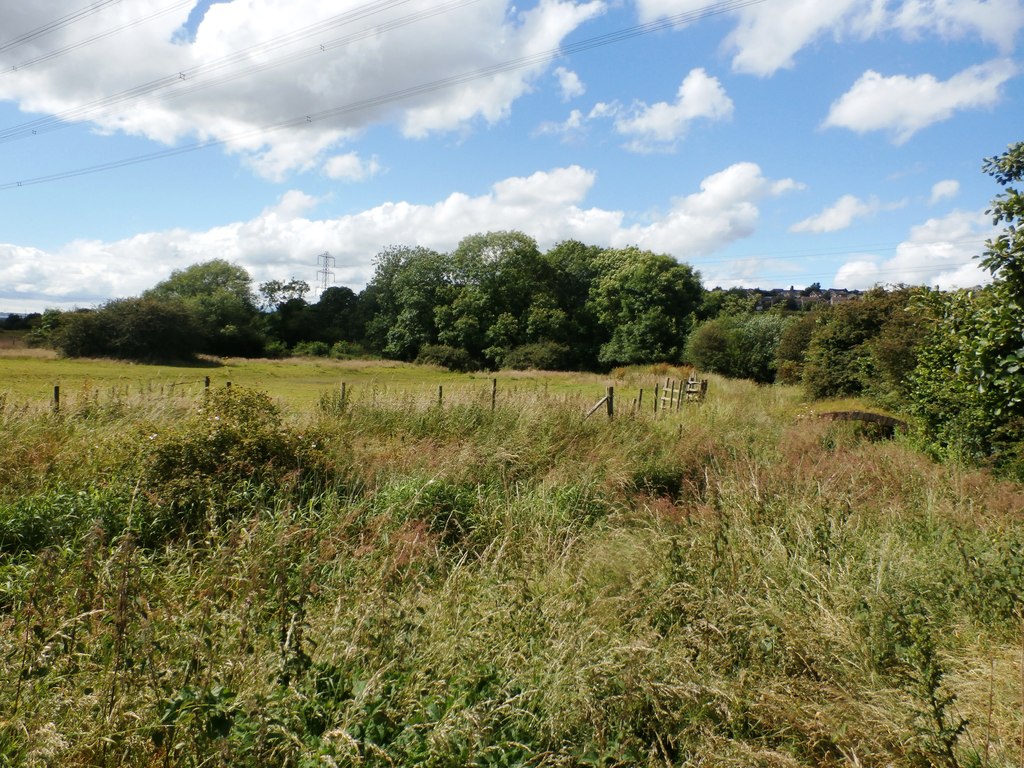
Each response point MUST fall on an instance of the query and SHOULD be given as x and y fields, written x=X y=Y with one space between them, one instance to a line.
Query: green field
x=29 y=376
x=232 y=579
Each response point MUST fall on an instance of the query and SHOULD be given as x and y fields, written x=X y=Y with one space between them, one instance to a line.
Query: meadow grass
x=397 y=583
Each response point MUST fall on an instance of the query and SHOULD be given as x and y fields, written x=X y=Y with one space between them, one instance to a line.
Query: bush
x=130 y=329
x=866 y=346
x=452 y=358
x=740 y=346
x=541 y=356
x=224 y=460
x=311 y=349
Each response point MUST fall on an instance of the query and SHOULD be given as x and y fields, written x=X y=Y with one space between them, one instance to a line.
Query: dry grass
x=722 y=585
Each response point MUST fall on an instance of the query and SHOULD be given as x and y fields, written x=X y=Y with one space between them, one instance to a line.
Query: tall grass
x=723 y=585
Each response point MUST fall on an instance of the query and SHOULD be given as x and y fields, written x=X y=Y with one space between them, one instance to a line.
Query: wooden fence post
x=440 y=395
x=227 y=385
x=56 y=398
x=206 y=383
x=611 y=402
x=655 y=399
x=494 y=394
x=640 y=400
x=344 y=394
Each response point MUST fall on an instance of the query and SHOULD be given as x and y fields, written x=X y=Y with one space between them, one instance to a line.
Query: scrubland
x=226 y=579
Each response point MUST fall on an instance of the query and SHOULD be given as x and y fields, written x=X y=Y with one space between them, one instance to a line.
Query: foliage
x=721 y=585
x=645 y=302
x=452 y=358
x=863 y=346
x=221 y=462
x=791 y=352
x=739 y=346
x=968 y=385
x=220 y=296
x=540 y=356
x=130 y=329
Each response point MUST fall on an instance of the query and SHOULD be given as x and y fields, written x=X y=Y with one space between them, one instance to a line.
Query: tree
x=131 y=329
x=646 y=302
x=857 y=347
x=968 y=385
x=221 y=296
x=407 y=286
x=275 y=293
x=740 y=346
x=1000 y=344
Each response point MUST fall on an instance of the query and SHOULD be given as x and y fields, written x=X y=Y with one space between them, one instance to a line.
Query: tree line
x=953 y=359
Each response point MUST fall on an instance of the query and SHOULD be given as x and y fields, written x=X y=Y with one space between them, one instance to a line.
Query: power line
x=422 y=89
x=173 y=80
x=95 y=38
x=52 y=26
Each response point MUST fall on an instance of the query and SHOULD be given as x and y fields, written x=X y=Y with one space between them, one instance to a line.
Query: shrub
x=541 y=356
x=740 y=346
x=311 y=349
x=452 y=358
x=130 y=329
x=233 y=451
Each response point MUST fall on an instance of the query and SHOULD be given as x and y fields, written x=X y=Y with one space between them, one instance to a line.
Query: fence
x=667 y=398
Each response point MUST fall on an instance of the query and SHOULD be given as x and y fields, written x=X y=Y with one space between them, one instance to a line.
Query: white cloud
x=723 y=211
x=283 y=240
x=659 y=126
x=768 y=36
x=363 y=56
x=904 y=105
x=351 y=167
x=572 y=124
x=939 y=252
x=945 y=190
x=837 y=216
x=569 y=83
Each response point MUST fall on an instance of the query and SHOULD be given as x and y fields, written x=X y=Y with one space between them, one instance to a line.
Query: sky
x=768 y=143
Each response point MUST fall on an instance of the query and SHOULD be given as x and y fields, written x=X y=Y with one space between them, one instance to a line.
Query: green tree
x=131 y=329
x=739 y=346
x=968 y=385
x=408 y=284
x=999 y=346
x=859 y=346
x=220 y=295
x=645 y=301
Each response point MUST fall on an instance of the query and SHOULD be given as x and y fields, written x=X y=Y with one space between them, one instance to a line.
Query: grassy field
x=28 y=376
x=296 y=580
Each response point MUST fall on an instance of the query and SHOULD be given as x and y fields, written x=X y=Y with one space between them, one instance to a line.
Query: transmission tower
x=325 y=276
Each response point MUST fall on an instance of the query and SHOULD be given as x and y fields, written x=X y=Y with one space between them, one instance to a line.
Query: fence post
x=611 y=402
x=494 y=394
x=227 y=385
x=206 y=383
x=640 y=401
x=343 y=393
x=655 y=399
x=440 y=395
x=56 y=398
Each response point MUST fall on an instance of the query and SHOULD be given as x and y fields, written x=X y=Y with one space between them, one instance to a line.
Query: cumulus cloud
x=659 y=126
x=904 y=105
x=837 y=216
x=569 y=83
x=945 y=190
x=939 y=252
x=768 y=36
x=253 y=64
x=351 y=167
x=283 y=240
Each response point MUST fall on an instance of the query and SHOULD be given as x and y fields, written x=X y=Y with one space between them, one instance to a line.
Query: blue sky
x=768 y=143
